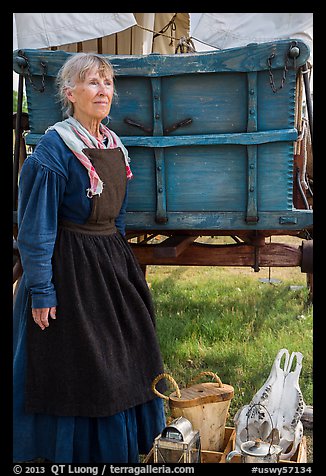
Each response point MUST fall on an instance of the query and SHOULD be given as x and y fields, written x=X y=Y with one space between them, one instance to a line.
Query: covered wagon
x=216 y=146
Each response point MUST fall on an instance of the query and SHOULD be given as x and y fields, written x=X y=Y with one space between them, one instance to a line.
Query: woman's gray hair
x=75 y=69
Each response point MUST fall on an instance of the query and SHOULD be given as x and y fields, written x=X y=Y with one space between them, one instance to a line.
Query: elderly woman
x=85 y=345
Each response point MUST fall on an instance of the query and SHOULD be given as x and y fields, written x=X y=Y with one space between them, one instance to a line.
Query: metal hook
x=23 y=62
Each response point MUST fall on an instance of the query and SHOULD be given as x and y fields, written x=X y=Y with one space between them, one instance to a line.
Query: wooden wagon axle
x=183 y=250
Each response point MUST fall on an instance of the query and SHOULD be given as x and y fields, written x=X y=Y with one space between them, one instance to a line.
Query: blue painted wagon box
x=210 y=135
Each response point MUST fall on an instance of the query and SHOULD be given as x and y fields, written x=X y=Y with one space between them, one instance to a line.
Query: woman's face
x=92 y=97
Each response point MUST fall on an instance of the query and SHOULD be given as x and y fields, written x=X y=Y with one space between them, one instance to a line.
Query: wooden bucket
x=205 y=405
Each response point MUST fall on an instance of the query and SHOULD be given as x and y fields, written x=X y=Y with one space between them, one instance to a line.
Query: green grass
x=227 y=321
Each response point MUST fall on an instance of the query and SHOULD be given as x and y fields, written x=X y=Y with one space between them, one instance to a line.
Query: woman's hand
x=41 y=316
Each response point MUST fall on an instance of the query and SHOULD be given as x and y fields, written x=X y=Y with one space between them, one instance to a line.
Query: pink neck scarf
x=76 y=137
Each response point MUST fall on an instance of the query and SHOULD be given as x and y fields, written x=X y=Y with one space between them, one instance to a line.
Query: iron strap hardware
x=292 y=53
x=29 y=74
x=175 y=126
x=136 y=124
x=167 y=130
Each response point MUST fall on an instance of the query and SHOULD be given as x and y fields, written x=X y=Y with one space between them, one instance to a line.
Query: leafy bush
x=15 y=101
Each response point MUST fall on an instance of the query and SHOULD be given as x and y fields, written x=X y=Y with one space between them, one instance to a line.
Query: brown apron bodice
x=110 y=166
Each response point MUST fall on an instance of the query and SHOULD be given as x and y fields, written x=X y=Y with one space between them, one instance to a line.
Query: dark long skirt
x=95 y=363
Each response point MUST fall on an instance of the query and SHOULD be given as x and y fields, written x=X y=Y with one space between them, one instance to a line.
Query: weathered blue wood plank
x=243 y=59
x=252 y=215
x=211 y=144
x=215 y=221
x=275 y=169
x=252 y=102
x=208 y=178
x=211 y=139
x=135 y=102
x=202 y=139
x=161 y=216
x=275 y=110
x=143 y=187
x=216 y=102
x=157 y=107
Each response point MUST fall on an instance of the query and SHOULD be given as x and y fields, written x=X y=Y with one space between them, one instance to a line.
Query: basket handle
x=171 y=379
x=211 y=374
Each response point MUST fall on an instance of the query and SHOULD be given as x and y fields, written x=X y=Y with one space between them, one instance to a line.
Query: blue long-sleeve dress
x=82 y=387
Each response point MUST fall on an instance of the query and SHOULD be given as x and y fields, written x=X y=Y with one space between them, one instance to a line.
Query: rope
x=163 y=30
x=182 y=40
x=171 y=379
x=204 y=43
x=185 y=44
x=210 y=374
